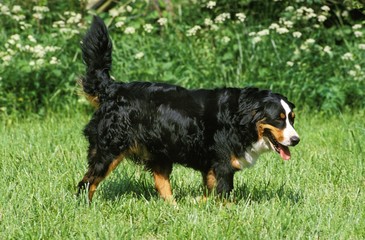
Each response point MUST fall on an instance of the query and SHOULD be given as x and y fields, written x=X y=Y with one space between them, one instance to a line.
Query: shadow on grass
x=266 y=193
x=126 y=185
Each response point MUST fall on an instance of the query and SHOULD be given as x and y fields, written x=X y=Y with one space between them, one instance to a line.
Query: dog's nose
x=294 y=140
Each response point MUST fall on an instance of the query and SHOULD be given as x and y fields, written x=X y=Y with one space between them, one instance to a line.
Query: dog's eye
x=292 y=118
x=281 y=117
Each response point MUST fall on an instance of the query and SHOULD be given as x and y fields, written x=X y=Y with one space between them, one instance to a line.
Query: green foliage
x=318 y=194
x=38 y=67
x=311 y=51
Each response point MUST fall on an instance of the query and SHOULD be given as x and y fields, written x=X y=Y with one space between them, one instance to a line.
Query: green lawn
x=318 y=194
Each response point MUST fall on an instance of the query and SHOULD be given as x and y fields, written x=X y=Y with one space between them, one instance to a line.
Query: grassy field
x=319 y=194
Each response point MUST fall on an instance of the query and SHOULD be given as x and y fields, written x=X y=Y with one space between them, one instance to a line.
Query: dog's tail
x=97 y=54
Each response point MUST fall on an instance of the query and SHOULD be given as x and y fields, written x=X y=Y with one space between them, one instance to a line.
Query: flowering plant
x=312 y=52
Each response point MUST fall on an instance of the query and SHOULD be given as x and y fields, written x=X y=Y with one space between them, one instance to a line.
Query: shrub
x=38 y=58
x=308 y=50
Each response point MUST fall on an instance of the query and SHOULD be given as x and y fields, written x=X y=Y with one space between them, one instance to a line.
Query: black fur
x=167 y=124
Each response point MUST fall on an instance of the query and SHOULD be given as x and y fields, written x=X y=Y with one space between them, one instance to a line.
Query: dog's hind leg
x=209 y=182
x=100 y=167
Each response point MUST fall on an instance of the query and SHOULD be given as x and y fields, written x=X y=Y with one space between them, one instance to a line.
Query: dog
x=215 y=131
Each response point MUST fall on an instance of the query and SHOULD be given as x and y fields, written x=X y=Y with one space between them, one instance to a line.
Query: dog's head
x=274 y=117
x=276 y=128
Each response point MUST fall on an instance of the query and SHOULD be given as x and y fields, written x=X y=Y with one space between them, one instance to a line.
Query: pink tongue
x=284 y=152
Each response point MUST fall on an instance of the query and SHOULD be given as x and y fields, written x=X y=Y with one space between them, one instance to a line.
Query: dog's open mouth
x=279 y=148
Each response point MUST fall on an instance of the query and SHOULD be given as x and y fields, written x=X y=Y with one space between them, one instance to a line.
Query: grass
x=317 y=194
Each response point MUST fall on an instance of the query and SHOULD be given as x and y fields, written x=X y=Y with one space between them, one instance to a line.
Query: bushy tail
x=96 y=52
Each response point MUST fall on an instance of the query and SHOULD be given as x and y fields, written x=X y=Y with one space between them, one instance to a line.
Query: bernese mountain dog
x=214 y=131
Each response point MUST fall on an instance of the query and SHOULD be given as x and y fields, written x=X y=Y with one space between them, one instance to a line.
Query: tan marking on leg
x=235 y=163
x=162 y=184
x=209 y=181
x=114 y=164
x=92 y=188
x=95 y=183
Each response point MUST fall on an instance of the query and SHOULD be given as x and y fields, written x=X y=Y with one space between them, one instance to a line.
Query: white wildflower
x=251 y=34
x=39 y=62
x=358 y=67
x=289 y=8
x=162 y=21
x=352 y=73
x=139 y=55
x=226 y=39
x=357 y=26
x=256 y=39
x=362 y=46
x=192 y=31
x=31 y=38
x=288 y=24
x=310 y=15
x=241 y=17
x=74 y=19
x=114 y=12
x=16 y=9
x=348 y=56
x=263 y=32
x=39 y=51
x=358 y=34
x=119 y=24
x=321 y=18
x=325 y=8
x=297 y=34
x=208 y=22
x=59 y=24
x=130 y=30
x=305 y=12
x=148 y=28
x=11 y=42
x=6 y=58
x=129 y=8
x=274 y=26
x=310 y=41
x=18 y=18
x=282 y=30
x=54 y=61
x=38 y=16
x=222 y=17
x=15 y=37
x=40 y=9
x=51 y=48
x=122 y=10
x=304 y=47
x=5 y=10
x=211 y=4
x=214 y=27
x=290 y=63
x=327 y=49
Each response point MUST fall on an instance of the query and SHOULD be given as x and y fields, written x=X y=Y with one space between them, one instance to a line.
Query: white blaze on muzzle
x=289 y=132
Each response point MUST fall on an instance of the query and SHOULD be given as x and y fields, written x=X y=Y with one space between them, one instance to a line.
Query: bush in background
x=311 y=51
